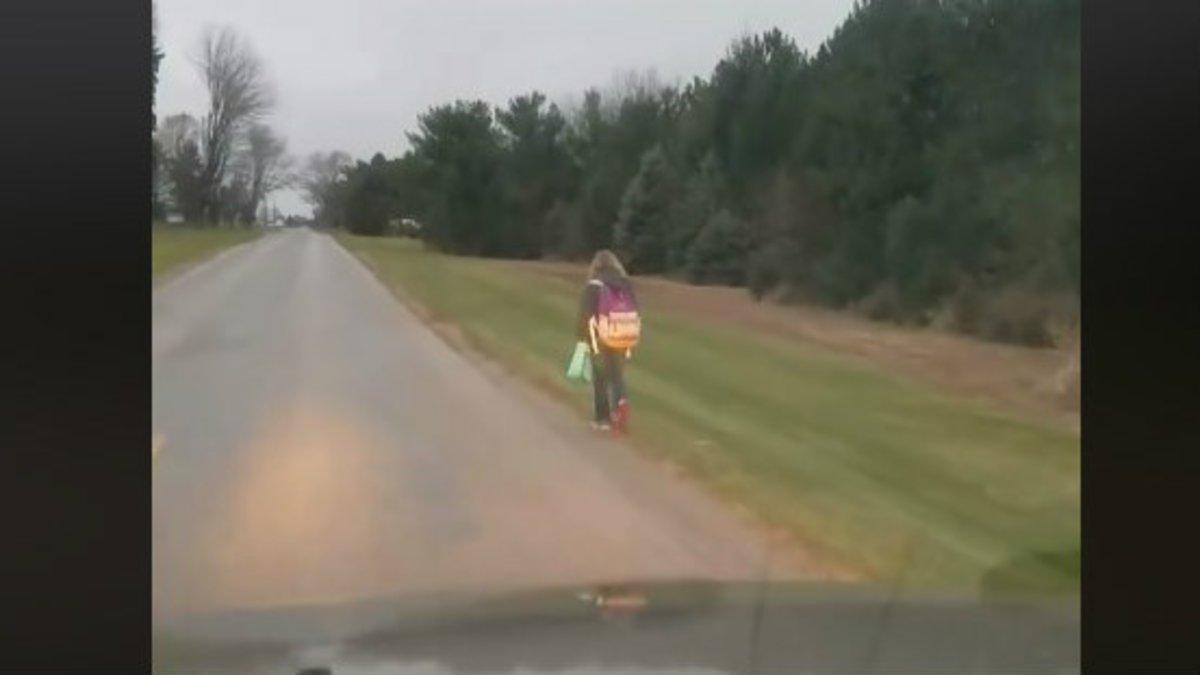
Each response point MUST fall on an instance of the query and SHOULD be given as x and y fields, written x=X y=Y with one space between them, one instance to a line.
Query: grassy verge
x=172 y=246
x=884 y=475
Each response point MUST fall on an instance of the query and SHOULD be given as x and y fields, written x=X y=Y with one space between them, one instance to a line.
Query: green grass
x=888 y=477
x=172 y=245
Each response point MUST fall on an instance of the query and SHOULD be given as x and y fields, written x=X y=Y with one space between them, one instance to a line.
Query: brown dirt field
x=1031 y=382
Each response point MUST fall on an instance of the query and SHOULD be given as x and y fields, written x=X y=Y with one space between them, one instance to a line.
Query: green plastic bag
x=580 y=367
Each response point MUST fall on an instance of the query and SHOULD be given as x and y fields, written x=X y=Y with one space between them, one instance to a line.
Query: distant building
x=402 y=227
x=410 y=227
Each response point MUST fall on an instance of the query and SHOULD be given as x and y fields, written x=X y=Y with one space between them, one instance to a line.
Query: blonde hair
x=605 y=260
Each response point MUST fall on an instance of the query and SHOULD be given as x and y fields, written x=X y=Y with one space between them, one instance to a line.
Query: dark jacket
x=589 y=303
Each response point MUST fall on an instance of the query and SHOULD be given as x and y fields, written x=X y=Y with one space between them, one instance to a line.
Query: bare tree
x=238 y=95
x=266 y=164
x=178 y=180
x=319 y=180
x=631 y=85
x=174 y=131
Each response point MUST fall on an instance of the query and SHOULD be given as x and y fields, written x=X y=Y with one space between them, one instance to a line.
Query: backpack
x=617 y=323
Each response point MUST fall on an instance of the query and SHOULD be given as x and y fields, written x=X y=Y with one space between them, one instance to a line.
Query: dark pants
x=608 y=382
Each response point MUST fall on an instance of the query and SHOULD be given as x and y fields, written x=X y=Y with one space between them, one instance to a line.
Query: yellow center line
x=156 y=446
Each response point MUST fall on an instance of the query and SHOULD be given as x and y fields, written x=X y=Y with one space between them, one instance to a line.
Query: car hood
x=685 y=627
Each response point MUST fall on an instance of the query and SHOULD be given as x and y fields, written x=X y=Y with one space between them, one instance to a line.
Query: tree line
x=220 y=167
x=921 y=166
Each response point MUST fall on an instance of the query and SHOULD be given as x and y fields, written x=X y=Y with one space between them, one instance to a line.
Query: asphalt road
x=315 y=442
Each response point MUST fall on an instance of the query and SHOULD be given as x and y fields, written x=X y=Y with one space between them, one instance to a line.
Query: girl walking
x=610 y=325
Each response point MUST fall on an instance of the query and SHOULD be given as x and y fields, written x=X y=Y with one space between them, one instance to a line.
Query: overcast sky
x=353 y=75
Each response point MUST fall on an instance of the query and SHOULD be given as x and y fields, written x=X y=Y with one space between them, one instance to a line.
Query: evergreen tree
x=640 y=230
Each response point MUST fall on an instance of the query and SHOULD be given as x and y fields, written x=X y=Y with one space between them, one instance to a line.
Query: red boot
x=620 y=416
